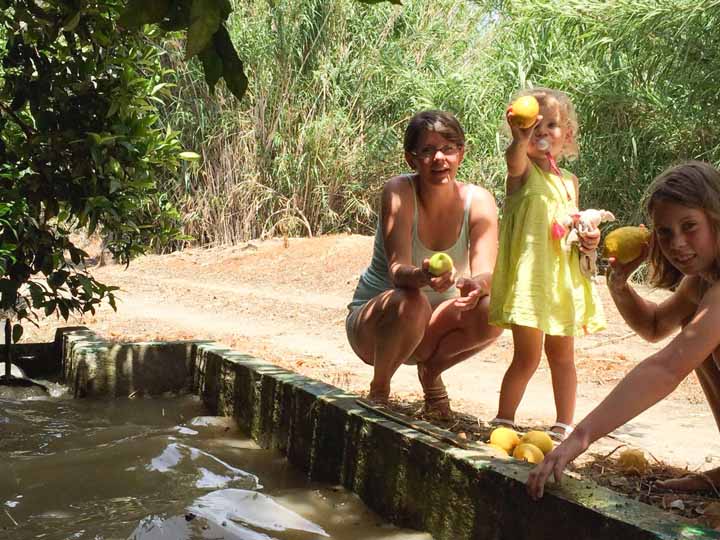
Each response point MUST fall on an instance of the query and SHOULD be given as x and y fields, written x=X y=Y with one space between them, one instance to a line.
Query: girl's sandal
x=503 y=422
x=437 y=402
x=559 y=431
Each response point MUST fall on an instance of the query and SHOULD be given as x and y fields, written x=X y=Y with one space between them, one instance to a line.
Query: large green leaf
x=178 y=16
x=233 y=70
x=212 y=66
x=140 y=12
x=205 y=19
x=225 y=9
x=17 y=332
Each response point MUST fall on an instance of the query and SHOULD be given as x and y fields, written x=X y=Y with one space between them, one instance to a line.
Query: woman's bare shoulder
x=398 y=184
x=482 y=198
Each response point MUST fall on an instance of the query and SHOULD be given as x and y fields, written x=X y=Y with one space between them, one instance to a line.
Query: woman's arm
x=483 y=240
x=649 y=382
x=397 y=217
x=483 y=232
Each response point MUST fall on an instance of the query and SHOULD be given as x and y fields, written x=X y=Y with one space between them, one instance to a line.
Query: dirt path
x=285 y=302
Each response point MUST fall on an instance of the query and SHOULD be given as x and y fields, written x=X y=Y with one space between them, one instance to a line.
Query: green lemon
x=440 y=263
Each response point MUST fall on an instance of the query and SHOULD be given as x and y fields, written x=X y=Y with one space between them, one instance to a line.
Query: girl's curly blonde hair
x=567 y=112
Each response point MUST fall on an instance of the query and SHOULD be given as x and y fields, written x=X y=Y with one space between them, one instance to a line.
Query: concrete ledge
x=408 y=477
x=97 y=368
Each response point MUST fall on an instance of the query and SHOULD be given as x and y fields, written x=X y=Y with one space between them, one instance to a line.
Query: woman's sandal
x=558 y=435
x=437 y=401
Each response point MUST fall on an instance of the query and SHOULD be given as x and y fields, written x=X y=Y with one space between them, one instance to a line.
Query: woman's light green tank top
x=375 y=279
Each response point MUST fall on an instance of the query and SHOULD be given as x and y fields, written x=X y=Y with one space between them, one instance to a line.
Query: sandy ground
x=284 y=300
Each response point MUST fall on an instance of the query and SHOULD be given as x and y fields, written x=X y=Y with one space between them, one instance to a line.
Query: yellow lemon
x=538 y=438
x=528 y=452
x=626 y=243
x=499 y=450
x=633 y=461
x=440 y=263
x=505 y=438
x=525 y=110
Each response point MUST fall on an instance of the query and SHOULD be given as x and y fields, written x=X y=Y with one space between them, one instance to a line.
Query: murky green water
x=158 y=469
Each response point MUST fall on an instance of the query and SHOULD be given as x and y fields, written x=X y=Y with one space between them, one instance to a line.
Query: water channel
x=158 y=469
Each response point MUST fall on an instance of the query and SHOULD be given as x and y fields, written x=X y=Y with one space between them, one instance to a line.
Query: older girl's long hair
x=694 y=184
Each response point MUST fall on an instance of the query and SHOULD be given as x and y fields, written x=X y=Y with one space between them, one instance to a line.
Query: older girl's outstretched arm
x=645 y=385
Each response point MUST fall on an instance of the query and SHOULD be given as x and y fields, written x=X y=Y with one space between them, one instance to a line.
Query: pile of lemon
x=531 y=447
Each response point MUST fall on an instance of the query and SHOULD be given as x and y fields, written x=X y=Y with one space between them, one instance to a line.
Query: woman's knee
x=481 y=321
x=410 y=306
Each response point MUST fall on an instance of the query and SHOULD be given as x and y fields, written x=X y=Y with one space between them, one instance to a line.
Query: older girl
x=684 y=206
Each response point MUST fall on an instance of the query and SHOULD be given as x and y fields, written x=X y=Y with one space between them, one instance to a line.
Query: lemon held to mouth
x=524 y=111
x=440 y=263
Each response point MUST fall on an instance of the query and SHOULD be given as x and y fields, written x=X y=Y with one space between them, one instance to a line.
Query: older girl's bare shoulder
x=707 y=294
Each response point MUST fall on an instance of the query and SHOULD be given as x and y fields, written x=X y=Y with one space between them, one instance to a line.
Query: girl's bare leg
x=389 y=328
x=560 y=351
x=527 y=343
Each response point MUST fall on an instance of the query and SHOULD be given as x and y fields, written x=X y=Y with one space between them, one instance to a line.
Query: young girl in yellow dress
x=538 y=289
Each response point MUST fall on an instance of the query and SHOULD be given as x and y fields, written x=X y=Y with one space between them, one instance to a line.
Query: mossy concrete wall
x=94 y=367
x=408 y=477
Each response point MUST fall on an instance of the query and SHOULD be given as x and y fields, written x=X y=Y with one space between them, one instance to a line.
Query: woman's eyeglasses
x=430 y=152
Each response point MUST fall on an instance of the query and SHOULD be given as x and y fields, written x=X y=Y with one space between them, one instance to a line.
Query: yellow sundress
x=536 y=283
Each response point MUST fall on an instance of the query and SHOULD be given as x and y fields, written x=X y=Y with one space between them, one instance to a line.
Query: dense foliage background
x=96 y=108
x=333 y=82
x=81 y=149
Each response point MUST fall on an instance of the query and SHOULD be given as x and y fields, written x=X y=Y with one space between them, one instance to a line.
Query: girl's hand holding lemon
x=626 y=256
x=522 y=116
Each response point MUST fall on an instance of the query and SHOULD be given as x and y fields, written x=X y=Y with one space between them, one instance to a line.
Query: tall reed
x=333 y=82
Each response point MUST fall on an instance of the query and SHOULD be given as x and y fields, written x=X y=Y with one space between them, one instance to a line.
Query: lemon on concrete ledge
x=626 y=243
x=498 y=450
x=540 y=439
x=505 y=438
x=528 y=452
